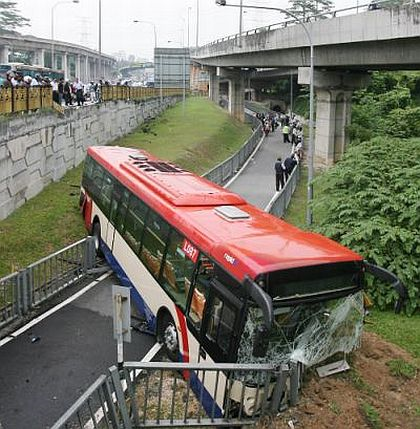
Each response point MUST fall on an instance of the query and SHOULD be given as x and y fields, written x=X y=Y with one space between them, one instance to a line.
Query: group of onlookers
x=68 y=93
x=18 y=80
x=292 y=131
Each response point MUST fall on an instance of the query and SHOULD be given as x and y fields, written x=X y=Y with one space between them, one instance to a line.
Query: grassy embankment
x=398 y=329
x=197 y=140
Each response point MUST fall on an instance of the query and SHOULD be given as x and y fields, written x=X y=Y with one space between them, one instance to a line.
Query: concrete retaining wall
x=36 y=149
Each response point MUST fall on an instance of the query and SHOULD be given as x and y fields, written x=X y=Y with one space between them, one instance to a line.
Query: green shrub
x=371 y=203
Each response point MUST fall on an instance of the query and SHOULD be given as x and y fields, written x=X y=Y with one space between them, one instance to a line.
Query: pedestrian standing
x=67 y=93
x=278 y=167
x=285 y=132
x=78 y=87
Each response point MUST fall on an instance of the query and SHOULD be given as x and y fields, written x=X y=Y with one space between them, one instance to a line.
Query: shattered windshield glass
x=306 y=333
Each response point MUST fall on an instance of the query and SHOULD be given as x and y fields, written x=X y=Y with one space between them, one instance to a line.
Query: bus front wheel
x=168 y=336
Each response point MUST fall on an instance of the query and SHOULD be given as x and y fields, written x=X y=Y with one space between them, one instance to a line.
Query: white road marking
x=250 y=158
x=48 y=313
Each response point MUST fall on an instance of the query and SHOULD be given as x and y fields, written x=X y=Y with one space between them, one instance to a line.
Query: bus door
x=117 y=212
x=222 y=322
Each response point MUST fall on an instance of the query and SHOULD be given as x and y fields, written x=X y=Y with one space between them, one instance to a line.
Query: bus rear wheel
x=168 y=337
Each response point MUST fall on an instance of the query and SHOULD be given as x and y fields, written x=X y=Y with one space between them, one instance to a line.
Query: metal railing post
x=294 y=383
x=279 y=389
x=119 y=393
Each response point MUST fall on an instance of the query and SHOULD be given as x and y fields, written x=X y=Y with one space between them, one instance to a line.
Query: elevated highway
x=75 y=60
x=346 y=49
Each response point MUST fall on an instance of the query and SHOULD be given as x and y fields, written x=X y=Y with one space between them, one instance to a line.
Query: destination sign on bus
x=190 y=250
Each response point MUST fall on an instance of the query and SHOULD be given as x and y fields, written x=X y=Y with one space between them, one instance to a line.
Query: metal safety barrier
x=22 y=290
x=21 y=99
x=152 y=395
x=279 y=204
x=122 y=92
x=228 y=168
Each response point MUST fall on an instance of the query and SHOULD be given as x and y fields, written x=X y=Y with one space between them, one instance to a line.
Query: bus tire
x=96 y=234
x=167 y=335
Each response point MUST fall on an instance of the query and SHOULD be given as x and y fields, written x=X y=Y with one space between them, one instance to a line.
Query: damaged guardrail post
x=279 y=388
x=294 y=383
x=119 y=393
x=89 y=256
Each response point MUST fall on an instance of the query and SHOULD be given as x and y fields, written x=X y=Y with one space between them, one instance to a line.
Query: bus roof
x=239 y=236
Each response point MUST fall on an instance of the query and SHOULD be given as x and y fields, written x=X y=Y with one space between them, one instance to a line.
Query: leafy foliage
x=10 y=19
x=370 y=202
x=389 y=106
x=305 y=8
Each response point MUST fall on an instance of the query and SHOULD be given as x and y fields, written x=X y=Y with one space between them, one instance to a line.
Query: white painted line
x=246 y=163
x=271 y=202
x=99 y=414
x=53 y=310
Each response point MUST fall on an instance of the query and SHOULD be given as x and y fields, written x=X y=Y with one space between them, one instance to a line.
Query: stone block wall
x=37 y=149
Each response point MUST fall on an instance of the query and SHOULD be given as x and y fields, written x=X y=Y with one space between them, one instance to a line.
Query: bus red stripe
x=184 y=334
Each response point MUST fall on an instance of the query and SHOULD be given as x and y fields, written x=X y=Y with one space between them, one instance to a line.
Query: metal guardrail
x=330 y=14
x=121 y=92
x=151 y=395
x=21 y=99
x=21 y=291
x=228 y=168
x=278 y=205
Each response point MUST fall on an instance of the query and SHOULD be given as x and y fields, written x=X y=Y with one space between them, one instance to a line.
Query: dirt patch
x=367 y=396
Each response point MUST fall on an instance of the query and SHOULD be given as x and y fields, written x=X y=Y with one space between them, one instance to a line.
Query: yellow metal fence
x=117 y=92
x=33 y=98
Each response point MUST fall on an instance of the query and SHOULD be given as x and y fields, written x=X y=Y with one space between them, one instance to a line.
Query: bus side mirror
x=261 y=341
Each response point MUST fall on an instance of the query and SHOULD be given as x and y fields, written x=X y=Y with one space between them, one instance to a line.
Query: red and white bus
x=216 y=278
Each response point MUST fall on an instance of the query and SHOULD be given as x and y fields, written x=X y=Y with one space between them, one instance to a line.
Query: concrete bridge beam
x=333 y=111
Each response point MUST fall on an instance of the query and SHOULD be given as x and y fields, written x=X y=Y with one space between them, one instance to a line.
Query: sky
x=78 y=23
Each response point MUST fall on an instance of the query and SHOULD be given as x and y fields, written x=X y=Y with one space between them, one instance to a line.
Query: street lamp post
x=100 y=38
x=309 y=213
x=52 y=27
x=160 y=58
x=197 y=25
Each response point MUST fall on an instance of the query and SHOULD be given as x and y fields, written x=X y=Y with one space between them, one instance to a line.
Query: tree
x=305 y=8
x=10 y=18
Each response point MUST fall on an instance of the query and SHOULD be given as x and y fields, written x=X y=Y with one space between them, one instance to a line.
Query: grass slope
x=197 y=139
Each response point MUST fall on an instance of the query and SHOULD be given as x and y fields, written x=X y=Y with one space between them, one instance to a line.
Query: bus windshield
x=306 y=333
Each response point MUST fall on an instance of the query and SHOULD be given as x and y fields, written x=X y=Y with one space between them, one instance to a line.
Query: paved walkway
x=257 y=182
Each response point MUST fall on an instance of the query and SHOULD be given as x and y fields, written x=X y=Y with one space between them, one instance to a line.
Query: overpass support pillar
x=236 y=79
x=237 y=98
x=333 y=91
x=65 y=65
x=214 y=86
x=4 y=54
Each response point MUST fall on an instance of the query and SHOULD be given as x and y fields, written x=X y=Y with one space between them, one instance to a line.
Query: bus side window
x=104 y=197
x=177 y=270
x=205 y=272
x=154 y=243
x=88 y=173
x=96 y=180
x=134 y=223
x=119 y=205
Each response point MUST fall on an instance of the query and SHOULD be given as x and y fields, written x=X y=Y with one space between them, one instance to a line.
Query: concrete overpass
x=75 y=60
x=346 y=49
